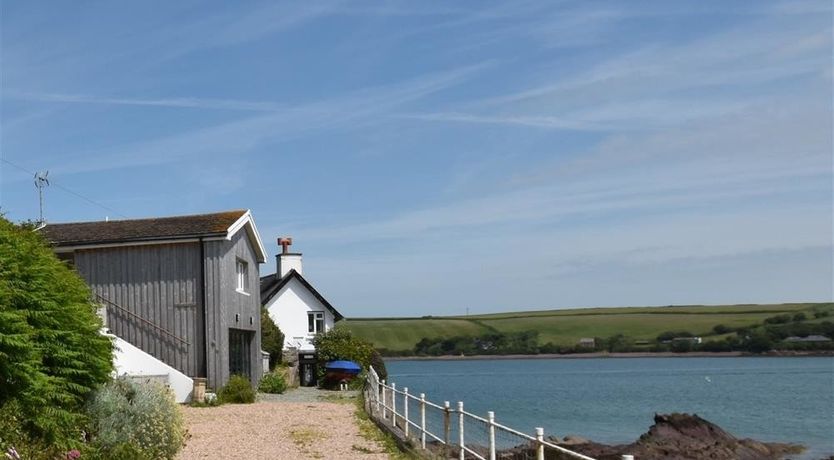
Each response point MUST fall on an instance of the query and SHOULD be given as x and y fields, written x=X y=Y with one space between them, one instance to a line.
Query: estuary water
x=614 y=400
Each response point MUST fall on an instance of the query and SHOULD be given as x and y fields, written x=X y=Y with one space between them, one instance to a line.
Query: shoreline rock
x=686 y=437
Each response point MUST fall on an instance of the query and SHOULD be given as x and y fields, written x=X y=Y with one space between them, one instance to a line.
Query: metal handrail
x=134 y=315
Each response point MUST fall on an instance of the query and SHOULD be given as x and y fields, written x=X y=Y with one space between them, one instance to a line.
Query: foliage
x=274 y=382
x=758 y=342
x=669 y=335
x=136 y=420
x=340 y=344
x=778 y=319
x=272 y=339
x=494 y=343
x=52 y=355
x=237 y=391
x=720 y=329
x=799 y=317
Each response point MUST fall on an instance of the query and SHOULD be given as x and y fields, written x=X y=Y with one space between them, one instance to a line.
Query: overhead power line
x=61 y=187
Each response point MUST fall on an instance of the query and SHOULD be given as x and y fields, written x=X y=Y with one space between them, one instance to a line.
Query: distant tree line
x=758 y=338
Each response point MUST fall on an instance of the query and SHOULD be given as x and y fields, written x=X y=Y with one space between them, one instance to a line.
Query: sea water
x=614 y=400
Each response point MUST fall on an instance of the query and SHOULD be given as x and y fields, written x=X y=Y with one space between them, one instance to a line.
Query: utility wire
x=71 y=192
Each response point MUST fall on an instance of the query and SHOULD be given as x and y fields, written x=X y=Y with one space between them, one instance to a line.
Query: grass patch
x=305 y=438
x=371 y=432
x=339 y=398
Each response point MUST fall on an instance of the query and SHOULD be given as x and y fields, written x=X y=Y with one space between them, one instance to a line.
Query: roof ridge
x=230 y=211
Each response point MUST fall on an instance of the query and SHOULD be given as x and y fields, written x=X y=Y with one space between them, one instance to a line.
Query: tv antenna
x=40 y=182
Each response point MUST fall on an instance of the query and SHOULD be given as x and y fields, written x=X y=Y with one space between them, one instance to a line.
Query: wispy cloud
x=176 y=102
x=243 y=135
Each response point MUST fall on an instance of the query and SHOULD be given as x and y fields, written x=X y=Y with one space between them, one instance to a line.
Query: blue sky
x=429 y=157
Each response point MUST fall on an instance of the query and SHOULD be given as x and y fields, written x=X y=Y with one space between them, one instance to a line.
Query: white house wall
x=289 y=308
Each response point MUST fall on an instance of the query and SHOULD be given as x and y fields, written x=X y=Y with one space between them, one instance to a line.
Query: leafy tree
x=52 y=355
x=799 y=317
x=758 y=342
x=272 y=339
x=721 y=329
x=778 y=319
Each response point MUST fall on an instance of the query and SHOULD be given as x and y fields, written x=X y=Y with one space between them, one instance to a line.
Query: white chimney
x=287 y=260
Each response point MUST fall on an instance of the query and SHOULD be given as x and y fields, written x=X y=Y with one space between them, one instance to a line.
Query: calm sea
x=614 y=400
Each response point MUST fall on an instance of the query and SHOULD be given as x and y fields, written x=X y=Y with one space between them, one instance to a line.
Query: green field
x=566 y=327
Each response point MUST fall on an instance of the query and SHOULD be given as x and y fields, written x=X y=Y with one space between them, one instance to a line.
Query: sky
x=439 y=157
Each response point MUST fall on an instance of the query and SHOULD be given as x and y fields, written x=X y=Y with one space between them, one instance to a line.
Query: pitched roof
x=219 y=224
x=271 y=285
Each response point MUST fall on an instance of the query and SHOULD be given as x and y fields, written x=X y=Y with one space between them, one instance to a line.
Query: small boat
x=342 y=370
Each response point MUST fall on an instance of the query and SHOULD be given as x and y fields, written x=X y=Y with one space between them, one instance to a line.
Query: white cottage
x=298 y=309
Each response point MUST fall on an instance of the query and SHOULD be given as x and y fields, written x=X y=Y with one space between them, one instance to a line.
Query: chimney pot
x=285 y=243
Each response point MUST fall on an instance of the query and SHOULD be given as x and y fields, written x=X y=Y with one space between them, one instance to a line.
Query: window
x=315 y=322
x=242 y=271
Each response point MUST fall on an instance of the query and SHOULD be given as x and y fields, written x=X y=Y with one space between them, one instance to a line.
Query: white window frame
x=242 y=276
x=316 y=316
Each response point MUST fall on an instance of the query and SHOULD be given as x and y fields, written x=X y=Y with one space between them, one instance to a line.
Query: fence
x=451 y=432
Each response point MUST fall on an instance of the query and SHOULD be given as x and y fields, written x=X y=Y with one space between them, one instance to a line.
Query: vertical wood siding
x=223 y=303
x=160 y=283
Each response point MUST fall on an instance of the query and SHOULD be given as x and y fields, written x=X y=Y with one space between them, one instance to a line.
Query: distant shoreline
x=603 y=355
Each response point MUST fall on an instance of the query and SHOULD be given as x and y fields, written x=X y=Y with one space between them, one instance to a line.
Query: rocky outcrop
x=687 y=437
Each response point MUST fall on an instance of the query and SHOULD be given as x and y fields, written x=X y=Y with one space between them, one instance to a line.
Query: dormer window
x=242 y=272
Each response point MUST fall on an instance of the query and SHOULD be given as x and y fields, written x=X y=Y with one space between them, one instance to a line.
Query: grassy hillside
x=566 y=327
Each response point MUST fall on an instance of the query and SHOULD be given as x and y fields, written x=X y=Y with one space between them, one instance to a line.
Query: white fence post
x=628 y=457
x=491 y=418
x=384 y=406
x=539 y=444
x=423 y=421
x=405 y=410
x=447 y=423
x=394 y=404
x=460 y=429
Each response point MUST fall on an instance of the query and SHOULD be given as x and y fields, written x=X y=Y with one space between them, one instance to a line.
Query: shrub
x=52 y=355
x=274 y=382
x=135 y=420
x=237 y=391
x=721 y=329
x=799 y=317
x=669 y=335
x=272 y=339
x=778 y=319
x=340 y=344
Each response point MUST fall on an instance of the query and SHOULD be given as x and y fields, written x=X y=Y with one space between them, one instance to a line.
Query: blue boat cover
x=343 y=365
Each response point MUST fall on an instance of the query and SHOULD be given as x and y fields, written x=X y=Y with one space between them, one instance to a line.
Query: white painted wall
x=130 y=360
x=289 y=307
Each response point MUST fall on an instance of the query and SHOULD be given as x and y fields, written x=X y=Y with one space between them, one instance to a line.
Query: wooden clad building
x=184 y=289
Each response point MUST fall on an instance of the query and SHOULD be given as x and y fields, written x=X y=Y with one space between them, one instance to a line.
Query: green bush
x=52 y=355
x=778 y=319
x=272 y=339
x=274 y=382
x=135 y=420
x=340 y=344
x=237 y=391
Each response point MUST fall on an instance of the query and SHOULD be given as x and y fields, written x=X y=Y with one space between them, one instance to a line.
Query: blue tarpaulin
x=343 y=366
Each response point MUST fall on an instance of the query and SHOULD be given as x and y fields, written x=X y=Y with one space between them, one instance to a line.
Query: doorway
x=240 y=352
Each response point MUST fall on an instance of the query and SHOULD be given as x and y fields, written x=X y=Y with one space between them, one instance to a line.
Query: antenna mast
x=40 y=182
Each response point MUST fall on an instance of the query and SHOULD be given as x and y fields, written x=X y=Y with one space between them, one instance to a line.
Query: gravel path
x=270 y=429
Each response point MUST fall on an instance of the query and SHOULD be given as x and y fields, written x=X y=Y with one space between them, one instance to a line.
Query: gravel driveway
x=277 y=429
